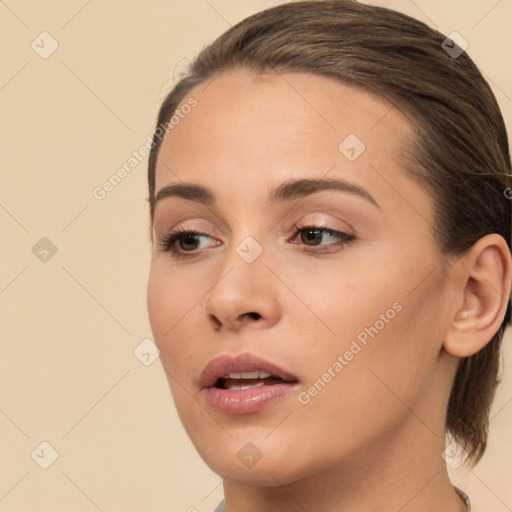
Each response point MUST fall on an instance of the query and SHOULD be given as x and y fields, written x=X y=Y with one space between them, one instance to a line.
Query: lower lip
x=244 y=401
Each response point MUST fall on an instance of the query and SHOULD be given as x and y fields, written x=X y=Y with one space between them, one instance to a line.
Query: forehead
x=250 y=129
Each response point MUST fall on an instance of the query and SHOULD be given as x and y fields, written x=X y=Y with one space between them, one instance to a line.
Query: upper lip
x=222 y=366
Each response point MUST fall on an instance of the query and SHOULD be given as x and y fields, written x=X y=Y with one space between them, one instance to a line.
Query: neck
x=404 y=471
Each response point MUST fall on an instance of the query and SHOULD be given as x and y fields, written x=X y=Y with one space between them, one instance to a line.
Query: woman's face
x=348 y=316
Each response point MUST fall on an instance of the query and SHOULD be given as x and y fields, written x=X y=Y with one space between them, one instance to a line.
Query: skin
x=372 y=439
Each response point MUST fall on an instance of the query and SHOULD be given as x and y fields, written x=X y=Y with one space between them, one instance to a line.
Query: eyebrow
x=286 y=191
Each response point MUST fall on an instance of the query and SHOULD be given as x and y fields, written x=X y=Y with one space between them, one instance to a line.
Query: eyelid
x=332 y=222
x=193 y=223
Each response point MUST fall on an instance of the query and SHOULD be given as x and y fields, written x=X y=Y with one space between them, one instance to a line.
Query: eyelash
x=169 y=241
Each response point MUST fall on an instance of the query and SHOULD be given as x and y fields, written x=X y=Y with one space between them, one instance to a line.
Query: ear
x=485 y=280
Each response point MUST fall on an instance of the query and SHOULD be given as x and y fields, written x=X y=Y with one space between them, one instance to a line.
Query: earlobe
x=486 y=274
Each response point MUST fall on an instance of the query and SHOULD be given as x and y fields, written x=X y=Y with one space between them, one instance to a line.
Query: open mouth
x=248 y=380
x=244 y=383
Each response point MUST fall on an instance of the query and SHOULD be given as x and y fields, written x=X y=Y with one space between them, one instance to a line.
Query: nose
x=244 y=296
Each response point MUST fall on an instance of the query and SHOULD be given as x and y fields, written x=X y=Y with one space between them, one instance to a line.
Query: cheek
x=369 y=397
x=400 y=356
x=385 y=339
x=159 y=293
x=169 y=296
x=171 y=310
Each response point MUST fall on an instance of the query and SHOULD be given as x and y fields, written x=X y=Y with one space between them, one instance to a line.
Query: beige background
x=70 y=325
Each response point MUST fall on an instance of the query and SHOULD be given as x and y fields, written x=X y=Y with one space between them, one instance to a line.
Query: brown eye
x=313 y=236
x=180 y=242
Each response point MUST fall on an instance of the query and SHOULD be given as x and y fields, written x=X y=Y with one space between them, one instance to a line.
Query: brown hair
x=459 y=152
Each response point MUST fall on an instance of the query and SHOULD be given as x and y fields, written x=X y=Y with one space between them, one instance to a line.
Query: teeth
x=249 y=375
x=247 y=386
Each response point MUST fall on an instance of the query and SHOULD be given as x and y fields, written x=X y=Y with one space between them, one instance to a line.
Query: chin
x=262 y=474
x=263 y=463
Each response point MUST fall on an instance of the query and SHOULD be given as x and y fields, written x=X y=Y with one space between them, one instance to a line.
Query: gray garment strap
x=221 y=507
x=464 y=496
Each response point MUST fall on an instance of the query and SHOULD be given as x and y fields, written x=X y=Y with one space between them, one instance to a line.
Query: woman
x=331 y=265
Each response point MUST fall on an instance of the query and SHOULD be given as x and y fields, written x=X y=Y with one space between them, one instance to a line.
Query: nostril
x=252 y=315
x=216 y=322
